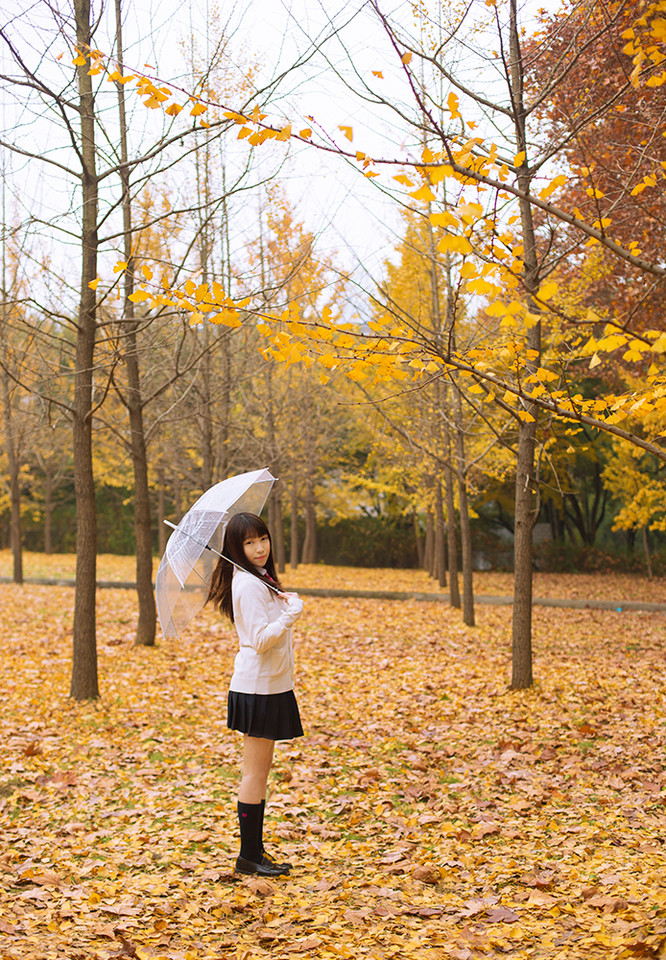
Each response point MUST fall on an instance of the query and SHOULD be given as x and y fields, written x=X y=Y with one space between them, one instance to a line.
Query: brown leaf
x=426 y=873
x=302 y=946
x=260 y=886
x=501 y=914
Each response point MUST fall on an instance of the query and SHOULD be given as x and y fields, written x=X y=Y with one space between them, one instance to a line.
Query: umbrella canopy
x=185 y=571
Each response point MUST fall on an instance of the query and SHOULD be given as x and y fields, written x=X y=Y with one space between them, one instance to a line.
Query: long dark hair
x=240 y=527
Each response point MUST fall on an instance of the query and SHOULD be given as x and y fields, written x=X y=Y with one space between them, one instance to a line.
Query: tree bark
x=452 y=544
x=418 y=540
x=277 y=528
x=14 y=466
x=525 y=492
x=465 y=528
x=310 y=541
x=646 y=548
x=293 y=547
x=84 y=684
x=145 y=631
x=429 y=545
x=440 y=552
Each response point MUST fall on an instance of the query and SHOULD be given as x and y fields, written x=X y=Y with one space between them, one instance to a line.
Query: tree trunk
x=310 y=541
x=145 y=631
x=465 y=529
x=522 y=583
x=293 y=548
x=646 y=548
x=13 y=464
x=161 y=511
x=454 y=588
x=525 y=493
x=48 y=513
x=84 y=684
x=11 y=442
x=277 y=528
x=419 y=540
x=440 y=552
x=429 y=547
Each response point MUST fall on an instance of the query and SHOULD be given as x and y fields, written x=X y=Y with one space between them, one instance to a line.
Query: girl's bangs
x=251 y=525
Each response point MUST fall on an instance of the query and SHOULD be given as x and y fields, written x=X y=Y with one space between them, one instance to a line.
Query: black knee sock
x=261 y=825
x=250 y=816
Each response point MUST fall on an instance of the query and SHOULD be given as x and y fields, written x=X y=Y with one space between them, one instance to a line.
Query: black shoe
x=267 y=858
x=264 y=869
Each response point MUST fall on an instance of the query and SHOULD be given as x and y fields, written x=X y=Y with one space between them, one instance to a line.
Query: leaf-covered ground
x=592 y=586
x=430 y=812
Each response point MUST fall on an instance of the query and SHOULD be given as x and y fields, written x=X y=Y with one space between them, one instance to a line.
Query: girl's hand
x=286 y=596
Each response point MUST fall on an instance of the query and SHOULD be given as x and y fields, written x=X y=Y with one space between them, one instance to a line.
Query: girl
x=262 y=704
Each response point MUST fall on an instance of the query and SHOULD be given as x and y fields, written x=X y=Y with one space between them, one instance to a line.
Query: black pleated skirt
x=273 y=716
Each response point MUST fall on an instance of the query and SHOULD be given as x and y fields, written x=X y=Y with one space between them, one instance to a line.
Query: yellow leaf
x=519 y=159
x=378 y=73
x=437 y=174
x=595 y=361
x=348 y=132
x=454 y=244
x=147 y=272
x=93 y=284
x=404 y=179
x=173 y=109
x=547 y=291
x=120 y=266
x=285 y=133
x=306 y=133
x=79 y=61
x=423 y=193
x=139 y=295
x=406 y=57
x=198 y=109
x=444 y=219
x=481 y=286
x=452 y=103
x=525 y=416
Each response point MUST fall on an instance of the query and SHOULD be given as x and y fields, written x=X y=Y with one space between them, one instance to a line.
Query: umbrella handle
x=217 y=553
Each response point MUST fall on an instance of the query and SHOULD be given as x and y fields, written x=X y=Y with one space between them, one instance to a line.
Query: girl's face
x=257 y=548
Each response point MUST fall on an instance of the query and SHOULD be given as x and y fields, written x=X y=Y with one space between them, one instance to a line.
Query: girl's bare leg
x=257 y=762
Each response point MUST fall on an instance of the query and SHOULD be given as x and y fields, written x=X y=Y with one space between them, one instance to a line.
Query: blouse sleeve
x=263 y=625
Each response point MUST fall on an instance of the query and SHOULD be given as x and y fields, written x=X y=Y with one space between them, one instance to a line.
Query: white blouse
x=265 y=661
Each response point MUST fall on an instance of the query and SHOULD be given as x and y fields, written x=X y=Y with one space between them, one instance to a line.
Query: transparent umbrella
x=185 y=570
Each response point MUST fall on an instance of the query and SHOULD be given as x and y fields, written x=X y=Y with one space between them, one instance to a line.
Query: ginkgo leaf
x=348 y=132
x=454 y=244
x=139 y=296
x=452 y=103
x=444 y=219
x=423 y=193
x=547 y=291
x=406 y=57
